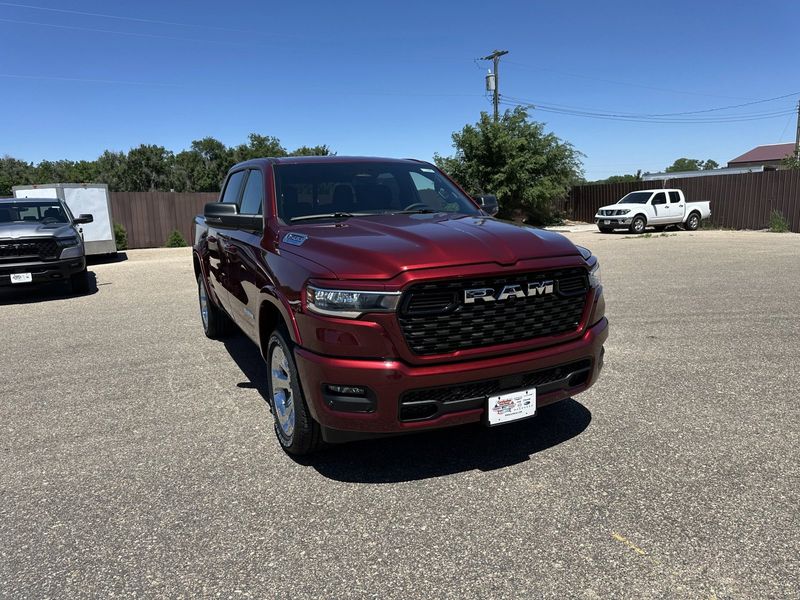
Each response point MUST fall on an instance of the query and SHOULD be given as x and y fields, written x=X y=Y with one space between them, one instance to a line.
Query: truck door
x=218 y=242
x=675 y=207
x=660 y=210
x=245 y=277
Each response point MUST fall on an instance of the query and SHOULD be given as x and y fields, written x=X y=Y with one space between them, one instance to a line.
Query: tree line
x=149 y=168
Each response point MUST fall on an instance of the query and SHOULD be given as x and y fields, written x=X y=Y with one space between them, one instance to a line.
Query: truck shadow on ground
x=43 y=292
x=432 y=454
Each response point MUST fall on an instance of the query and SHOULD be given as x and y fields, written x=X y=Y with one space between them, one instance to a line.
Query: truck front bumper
x=612 y=221
x=43 y=272
x=392 y=397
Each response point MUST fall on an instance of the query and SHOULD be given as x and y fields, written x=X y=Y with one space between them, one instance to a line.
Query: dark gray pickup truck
x=40 y=242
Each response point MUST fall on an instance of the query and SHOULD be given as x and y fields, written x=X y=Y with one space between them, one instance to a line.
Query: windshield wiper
x=416 y=211
x=333 y=215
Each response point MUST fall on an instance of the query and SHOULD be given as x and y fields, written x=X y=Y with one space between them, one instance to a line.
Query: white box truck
x=82 y=198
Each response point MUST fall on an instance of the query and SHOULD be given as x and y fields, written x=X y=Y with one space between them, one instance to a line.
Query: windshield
x=38 y=211
x=364 y=188
x=636 y=198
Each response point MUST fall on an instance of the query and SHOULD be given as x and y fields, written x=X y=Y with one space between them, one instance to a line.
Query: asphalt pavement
x=137 y=456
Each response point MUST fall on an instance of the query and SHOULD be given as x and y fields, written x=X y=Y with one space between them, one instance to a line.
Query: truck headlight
x=68 y=242
x=595 y=280
x=349 y=304
x=594 y=272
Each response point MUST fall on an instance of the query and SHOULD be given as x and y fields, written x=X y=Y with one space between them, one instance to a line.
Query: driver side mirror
x=83 y=220
x=489 y=204
x=227 y=215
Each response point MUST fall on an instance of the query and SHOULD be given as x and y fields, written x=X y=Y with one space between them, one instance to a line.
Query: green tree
x=515 y=159
x=259 y=146
x=149 y=168
x=203 y=168
x=111 y=168
x=621 y=178
x=692 y=164
x=791 y=161
x=14 y=172
x=322 y=150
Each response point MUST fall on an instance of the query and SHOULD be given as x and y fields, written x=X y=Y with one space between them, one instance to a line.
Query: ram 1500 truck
x=40 y=242
x=657 y=208
x=384 y=300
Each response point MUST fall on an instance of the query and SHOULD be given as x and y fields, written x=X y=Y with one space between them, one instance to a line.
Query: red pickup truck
x=385 y=300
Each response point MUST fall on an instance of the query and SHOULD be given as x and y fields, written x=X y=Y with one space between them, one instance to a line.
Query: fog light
x=347 y=390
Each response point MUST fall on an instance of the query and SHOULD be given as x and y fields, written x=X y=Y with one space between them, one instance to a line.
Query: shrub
x=777 y=222
x=121 y=236
x=175 y=240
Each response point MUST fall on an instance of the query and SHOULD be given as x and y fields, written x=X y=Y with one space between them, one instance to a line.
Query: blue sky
x=389 y=78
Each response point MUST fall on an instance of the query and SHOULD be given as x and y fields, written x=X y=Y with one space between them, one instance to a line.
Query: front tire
x=295 y=429
x=693 y=222
x=638 y=224
x=216 y=324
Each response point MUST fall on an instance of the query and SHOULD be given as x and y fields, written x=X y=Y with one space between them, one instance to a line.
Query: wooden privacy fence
x=149 y=217
x=737 y=201
x=742 y=201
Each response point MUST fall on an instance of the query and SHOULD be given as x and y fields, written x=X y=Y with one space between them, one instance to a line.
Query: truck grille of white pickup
x=28 y=250
x=435 y=319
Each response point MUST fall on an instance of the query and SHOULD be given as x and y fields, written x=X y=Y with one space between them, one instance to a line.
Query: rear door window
x=674 y=197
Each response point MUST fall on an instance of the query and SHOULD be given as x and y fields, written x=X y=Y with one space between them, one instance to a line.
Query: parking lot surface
x=138 y=458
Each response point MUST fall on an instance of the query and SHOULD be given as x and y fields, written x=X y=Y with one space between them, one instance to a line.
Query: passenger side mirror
x=83 y=220
x=227 y=215
x=489 y=204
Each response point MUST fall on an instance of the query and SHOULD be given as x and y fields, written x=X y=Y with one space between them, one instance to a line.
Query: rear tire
x=295 y=429
x=216 y=324
x=80 y=282
x=638 y=224
x=693 y=222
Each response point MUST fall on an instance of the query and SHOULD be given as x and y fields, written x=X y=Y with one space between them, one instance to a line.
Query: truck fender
x=689 y=214
x=275 y=300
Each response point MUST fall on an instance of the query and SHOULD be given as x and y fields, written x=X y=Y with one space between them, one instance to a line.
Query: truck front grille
x=435 y=319
x=28 y=249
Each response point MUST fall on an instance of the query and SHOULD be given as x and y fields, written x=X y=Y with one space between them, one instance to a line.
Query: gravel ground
x=138 y=458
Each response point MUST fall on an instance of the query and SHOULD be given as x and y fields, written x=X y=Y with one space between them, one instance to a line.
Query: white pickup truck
x=656 y=208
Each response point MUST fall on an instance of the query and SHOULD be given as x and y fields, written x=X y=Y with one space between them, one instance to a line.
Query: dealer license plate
x=21 y=278
x=607 y=222
x=511 y=407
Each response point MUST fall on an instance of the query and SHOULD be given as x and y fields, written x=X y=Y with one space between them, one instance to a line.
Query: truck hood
x=26 y=230
x=618 y=206
x=383 y=246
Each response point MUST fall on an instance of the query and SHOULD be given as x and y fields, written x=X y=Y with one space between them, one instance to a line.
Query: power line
x=659 y=115
x=639 y=119
x=120 y=18
x=129 y=33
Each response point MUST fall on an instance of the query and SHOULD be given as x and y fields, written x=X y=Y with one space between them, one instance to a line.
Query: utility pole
x=797 y=136
x=495 y=58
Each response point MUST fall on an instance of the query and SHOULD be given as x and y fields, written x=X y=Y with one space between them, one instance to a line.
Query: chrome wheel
x=282 y=397
x=693 y=222
x=201 y=291
x=638 y=225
